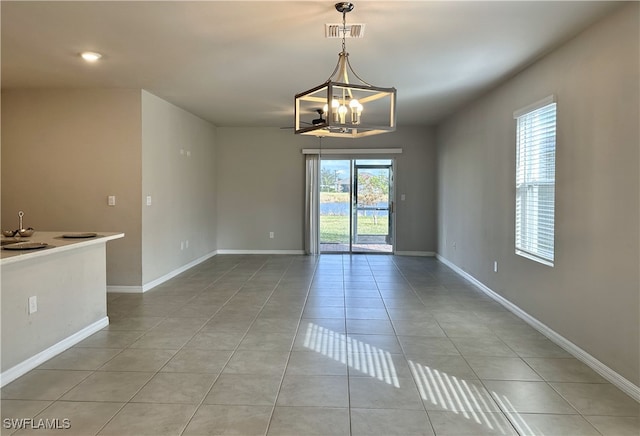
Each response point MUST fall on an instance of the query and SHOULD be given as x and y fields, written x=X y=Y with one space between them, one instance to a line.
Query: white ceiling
x=238 y=63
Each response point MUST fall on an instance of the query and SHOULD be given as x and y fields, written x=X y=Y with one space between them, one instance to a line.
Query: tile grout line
x=403 y=350
x=346 y=331
x=284 y=372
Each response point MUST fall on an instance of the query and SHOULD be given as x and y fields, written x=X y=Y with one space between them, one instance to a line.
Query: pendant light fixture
x=339 y=108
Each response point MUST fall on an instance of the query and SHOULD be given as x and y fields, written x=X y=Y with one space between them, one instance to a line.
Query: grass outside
x=334 y=229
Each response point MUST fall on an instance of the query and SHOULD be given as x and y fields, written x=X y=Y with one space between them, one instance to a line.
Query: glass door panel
x=335 y=206
x=372 y=206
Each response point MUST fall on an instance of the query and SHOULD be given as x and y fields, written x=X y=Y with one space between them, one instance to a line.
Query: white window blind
x=535 y=181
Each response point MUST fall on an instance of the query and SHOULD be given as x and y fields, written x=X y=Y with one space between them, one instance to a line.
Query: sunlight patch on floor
x=454 y=394
x=448 y=392
x=358 y=355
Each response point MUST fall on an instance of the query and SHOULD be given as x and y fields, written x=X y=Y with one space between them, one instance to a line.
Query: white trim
x=415 y=253
x=534 y=258
x=351 y=151
x=153 y=283
x=609 y=374
x=124 y=289
x=33 y=362
x=533 y=106
x=229 y=251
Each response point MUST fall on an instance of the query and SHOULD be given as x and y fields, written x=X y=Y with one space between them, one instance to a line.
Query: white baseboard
x=33 y=362
x=124 y=289
x=152 y=284
x=415 y=253
x=226 y=251
x=609 y=374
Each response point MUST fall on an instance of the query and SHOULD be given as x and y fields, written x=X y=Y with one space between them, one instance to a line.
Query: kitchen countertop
x=56 y=244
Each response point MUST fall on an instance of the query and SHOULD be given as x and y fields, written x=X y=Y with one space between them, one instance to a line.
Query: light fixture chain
x=344 y=31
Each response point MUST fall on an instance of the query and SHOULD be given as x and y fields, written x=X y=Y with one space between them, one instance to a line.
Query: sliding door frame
x=346 y=154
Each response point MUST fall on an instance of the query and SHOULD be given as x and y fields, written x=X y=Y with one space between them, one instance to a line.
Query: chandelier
x=339 y=108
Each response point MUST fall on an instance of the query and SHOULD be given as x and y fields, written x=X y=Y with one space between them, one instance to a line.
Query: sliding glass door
x=356 y=205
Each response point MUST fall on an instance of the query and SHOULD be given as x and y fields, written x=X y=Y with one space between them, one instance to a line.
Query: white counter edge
x=100 y=239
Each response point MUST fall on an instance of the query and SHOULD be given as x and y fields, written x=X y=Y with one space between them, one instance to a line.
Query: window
x=535 y=180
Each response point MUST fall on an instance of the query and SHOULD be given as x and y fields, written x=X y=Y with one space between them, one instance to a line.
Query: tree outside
x=372 y=190
x=330 y=180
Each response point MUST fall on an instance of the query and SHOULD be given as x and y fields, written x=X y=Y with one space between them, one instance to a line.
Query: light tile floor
x=329 y=345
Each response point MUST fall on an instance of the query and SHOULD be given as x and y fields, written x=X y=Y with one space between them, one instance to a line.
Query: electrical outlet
x=111 y=200
x=271 y=235
x=33 y=304
x=181 y=245
x=454 y=246
x=148 y=200
x=495 y=266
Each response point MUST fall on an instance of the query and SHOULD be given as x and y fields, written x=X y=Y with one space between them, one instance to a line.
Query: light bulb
x=342 y=113
x=356 y=110
x=335 y=104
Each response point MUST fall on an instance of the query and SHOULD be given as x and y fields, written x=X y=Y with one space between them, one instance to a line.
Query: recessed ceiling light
x=90 y=56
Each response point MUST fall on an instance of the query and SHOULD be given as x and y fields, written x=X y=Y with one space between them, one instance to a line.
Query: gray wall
x=260 y=180
x=260 y=183
x=181 y=185
x=591 y=295
x=63 y=152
